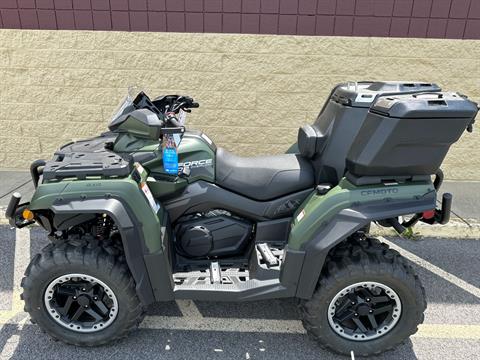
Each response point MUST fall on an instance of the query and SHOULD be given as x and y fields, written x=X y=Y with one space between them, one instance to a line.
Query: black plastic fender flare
x=129 y=227
x=344 y=224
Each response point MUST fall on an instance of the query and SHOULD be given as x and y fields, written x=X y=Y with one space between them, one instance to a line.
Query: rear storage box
x=409 y=135
x=328 y=140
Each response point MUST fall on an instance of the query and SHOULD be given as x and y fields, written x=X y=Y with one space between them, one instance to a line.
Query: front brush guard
x=36 y=169
x=14 y=208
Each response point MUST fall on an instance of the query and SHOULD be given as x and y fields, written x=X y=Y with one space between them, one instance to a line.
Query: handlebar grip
x=173 y=121
x=195 y=105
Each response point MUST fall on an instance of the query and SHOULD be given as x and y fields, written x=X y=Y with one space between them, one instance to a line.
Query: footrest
x=215 y=273
x=267 y=255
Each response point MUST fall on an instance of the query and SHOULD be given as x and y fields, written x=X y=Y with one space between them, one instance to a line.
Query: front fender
x=130 y=234
x=142 y=230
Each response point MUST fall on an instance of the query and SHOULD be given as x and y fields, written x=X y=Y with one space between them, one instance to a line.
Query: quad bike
x=126 y=233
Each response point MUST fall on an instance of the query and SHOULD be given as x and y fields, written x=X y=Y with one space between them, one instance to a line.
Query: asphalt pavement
x=254 y=330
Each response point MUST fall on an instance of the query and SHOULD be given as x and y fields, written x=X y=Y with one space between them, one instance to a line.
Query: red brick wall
x=396 y=18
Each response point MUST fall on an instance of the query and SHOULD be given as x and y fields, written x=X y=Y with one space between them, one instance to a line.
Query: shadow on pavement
x=456 y=257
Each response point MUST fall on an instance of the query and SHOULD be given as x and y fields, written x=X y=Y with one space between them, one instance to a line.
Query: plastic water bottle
x=170 y=157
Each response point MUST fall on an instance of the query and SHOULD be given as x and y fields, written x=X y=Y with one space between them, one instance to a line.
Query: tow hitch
x=434 y=216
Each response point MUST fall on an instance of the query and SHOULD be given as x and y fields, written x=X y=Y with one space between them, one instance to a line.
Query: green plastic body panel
x=192 y=148
x=317 y=209
x=125 y=189
x=127 y=143
x=193 y=151
x=165 y=188
x=135 y=128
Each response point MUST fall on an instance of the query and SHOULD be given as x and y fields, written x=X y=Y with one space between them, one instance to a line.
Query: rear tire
x=102 y=270
x=350 y=267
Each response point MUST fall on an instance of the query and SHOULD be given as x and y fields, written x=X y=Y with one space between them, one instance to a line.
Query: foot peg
x=267 y=255
x=215 y=273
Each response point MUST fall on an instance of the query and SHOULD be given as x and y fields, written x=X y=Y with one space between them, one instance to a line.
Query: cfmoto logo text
x=375 y=192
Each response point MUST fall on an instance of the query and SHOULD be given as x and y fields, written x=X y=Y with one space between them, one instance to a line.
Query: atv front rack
x=81 y=165
x=82 y=159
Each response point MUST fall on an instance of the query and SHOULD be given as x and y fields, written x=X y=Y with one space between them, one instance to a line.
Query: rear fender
x=327 y=223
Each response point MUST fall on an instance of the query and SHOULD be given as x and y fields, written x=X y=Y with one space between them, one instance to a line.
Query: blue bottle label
x=170 y=155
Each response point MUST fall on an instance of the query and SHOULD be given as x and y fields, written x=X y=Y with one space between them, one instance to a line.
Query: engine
x=213 y=234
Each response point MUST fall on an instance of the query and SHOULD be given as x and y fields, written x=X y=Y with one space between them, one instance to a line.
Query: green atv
x=127 y=229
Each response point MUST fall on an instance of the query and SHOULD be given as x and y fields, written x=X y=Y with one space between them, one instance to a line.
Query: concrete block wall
x=254 y=90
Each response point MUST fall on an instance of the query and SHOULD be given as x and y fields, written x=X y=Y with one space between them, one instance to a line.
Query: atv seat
x=265 y=177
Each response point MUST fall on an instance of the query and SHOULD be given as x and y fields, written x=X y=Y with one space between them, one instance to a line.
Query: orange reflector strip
x=27 y=215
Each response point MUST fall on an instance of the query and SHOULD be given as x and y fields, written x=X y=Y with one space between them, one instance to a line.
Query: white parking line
x=12 y=342
x=448 y=331
x=437 y=331
x=189 y=309
x=462 y=284
x=21 y=260
x=223 y=324
x=245 y=325
x=22 y=255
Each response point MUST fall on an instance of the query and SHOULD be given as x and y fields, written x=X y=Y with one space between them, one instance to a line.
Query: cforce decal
x=196 y=163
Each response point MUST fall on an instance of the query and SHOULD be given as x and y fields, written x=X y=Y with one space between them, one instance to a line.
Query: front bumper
x=14 y=212
x=15 y=208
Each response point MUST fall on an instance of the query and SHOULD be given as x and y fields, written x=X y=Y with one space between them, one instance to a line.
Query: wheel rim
x=364 y=311
x=81 y=303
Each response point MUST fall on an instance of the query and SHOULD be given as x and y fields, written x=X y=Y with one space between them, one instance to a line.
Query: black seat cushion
x=263 y=178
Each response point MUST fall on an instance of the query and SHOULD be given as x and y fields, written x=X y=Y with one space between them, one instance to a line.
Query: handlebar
x=184 y=103
x=167 y=109
x=175 y=104
x=173 y=120
x=165 y=104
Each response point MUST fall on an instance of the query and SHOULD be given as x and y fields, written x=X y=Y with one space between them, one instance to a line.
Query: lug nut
x=95 y=298
x=370 y=311
x=353 y=302
x=83 y=289
x=74 y=298
x=356 y=314
x=368 y=300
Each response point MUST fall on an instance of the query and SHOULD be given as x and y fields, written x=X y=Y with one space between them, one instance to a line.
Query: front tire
x=81 y=294
x=368 y=300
